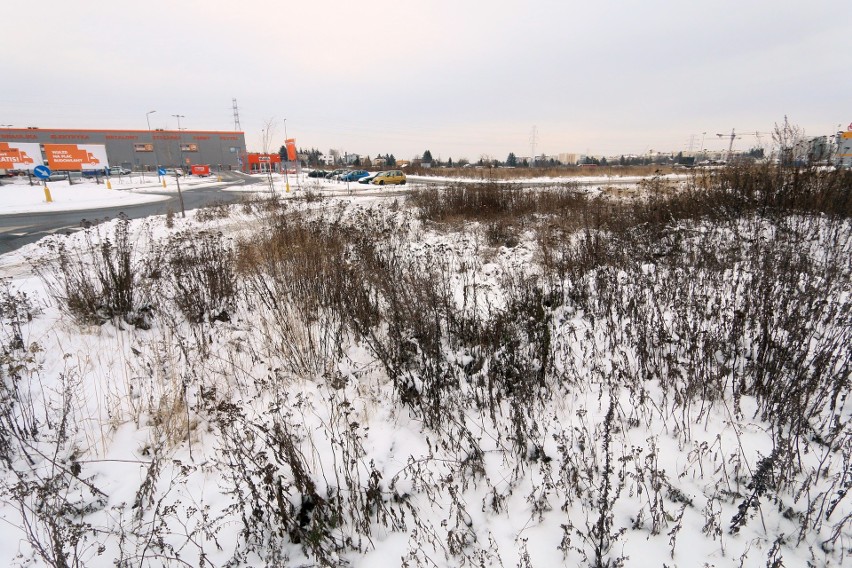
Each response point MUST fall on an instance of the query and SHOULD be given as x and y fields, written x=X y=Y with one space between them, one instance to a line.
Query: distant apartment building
x=569 y=159
x=844 y=148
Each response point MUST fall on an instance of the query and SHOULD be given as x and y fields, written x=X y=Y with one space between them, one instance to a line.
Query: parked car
x=317 y=174
x=389 y=177
x=174 y=172
x=118 y=171
x=335 y=173
x=96 y=173
x=369 y=178
x=354 y=175
x=66 y=176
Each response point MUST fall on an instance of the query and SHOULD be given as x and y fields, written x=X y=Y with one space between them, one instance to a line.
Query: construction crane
x=733 y=136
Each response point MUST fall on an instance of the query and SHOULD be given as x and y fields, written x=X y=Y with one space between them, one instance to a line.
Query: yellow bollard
x=109 y=185
x=47 y=194
x=164 y=182
x=218 y=178
x=288 y=187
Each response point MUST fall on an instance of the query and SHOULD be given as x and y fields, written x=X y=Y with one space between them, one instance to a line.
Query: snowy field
x=19 y=196
x=338 y=376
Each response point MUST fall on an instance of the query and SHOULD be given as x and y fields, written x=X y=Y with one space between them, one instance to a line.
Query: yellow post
x=109 y=185
x=47 y=194
x=288 y=186
x=164 y=181
x=218 y=178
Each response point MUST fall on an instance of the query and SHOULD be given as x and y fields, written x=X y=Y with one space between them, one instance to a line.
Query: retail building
x=139 y=150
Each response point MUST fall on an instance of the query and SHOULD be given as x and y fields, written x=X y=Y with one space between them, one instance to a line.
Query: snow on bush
x=472 y=376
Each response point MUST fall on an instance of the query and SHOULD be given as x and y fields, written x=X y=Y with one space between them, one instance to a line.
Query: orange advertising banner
x=291 y=149
x=17 y=156
x=76 y=157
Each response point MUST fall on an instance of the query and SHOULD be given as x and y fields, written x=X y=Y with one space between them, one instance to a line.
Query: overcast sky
x=462 y=78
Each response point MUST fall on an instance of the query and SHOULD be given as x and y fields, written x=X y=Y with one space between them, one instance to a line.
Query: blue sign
x=161 y=171
x=41 y=172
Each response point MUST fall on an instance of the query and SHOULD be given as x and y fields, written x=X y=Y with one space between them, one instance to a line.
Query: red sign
x=255 y=158
x=200 y=170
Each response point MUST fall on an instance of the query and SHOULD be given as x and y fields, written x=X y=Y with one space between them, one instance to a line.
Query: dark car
x=317 y=174
x=95 y=173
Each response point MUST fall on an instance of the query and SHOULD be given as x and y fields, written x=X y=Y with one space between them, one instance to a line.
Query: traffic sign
x=161 y=171
x=41 y=172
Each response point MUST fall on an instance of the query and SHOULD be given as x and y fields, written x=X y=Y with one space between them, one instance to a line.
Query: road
x=21 y=229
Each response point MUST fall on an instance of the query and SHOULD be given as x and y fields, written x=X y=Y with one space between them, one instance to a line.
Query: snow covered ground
x=18 y=196
x=480 y=410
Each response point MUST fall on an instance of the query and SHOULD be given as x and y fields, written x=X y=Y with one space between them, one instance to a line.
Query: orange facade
x=257 y=162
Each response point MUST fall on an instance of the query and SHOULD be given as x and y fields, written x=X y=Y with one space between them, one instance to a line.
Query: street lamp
x=156 y=159
x=178 y=117
x=287 y=161
x=180 y=137
x=180 y=149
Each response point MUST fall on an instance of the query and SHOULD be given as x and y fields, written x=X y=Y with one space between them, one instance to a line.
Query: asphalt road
x=24 y=228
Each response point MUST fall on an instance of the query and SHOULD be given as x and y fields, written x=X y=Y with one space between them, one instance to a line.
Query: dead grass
x=518 y=174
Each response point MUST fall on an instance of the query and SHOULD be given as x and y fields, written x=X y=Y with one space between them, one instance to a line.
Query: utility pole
x=533 y=136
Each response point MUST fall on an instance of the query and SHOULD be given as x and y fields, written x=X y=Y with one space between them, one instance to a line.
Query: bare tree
x=268 y=135
x=788 y=138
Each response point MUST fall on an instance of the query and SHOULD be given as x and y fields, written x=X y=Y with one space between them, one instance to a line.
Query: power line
x=533 y=140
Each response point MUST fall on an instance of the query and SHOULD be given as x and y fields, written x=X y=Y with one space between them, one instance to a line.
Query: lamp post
x=153 y=145
x=177 y=175
x=287 y=161
x=180 y=138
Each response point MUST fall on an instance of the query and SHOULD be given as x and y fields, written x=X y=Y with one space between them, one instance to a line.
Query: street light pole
x=177 y=175
x=180 y=138
x=153 y=145
x=287 y=161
